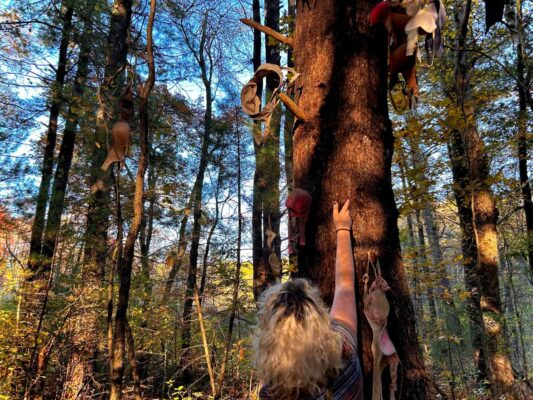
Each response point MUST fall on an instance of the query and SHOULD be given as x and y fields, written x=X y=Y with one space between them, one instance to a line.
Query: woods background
x=141 y=281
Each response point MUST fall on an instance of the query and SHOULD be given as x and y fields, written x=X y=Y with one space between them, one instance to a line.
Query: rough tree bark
x=459 y=167
x=483 y=213
x=125 y=264
x=344 y=150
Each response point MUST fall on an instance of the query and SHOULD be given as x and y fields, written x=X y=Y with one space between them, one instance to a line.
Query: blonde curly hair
x=296 y=350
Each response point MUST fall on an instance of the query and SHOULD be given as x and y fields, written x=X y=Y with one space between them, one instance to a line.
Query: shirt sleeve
x=349 y=334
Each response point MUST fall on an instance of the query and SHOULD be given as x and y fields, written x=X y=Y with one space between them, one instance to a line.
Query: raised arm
x=343 y=308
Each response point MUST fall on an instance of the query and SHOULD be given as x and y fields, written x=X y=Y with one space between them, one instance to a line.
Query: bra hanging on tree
x=251 y=102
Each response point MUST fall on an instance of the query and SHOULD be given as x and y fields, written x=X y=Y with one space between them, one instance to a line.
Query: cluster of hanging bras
x=405 y=21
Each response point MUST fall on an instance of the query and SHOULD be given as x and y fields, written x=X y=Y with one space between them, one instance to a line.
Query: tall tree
x=344 y=150
x=116 y=52
x=35 y=291
x=524 y=97
x=125 y=263
x=96 y=233
x=288 y=123
x=80 y=366
x=200 y=48
x=261 y=276
x=56 y=103
x=479 y=215
x=267 y=153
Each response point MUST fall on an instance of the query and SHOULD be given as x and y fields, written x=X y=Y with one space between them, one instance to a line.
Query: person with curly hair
x=302 y=351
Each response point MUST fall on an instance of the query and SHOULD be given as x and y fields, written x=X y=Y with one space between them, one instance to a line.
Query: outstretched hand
x=342 y=218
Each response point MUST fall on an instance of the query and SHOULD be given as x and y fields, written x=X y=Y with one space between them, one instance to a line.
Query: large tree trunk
x=460 y=184
x=56 y=102
x=483 y=215
x=126 y=263
x=344 y=150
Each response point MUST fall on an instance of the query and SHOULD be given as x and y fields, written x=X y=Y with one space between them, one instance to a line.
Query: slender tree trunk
x=267 y=158
x=195 y=243
x=35 y=290
x=514 y=308
x=56 y=103
x=236 y=280
x=523 y=93
x=130 y=343
x=425 y=266
x=412 y=248
x=419 y=186
x=260 y=266
x=38 y=282
x=177 y=257
x=344 y=150
x=81 y=362
x=484 y=216
x=197 y=208
x=126 y=263
x=210 y=236
x=288 y=124
x=444 y=291
x=145 y=238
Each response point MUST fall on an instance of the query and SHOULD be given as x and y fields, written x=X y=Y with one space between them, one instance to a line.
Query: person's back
x=301 y=352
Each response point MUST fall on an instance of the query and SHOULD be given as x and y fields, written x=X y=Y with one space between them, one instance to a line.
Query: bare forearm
x=343 y=307
x=344 y=267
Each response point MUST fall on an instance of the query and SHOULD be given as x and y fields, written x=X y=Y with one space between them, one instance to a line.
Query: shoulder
x=348 y=335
